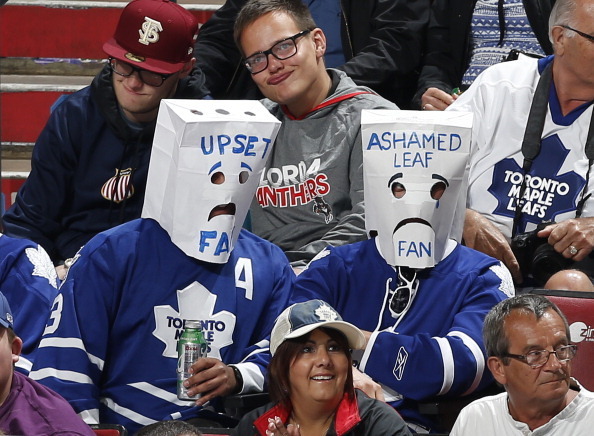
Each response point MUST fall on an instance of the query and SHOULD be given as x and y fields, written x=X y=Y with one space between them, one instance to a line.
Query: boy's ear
x=320 y=41
x=16 y=346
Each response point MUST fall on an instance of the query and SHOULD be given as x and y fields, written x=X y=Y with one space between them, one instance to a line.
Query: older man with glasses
x=311 y=194
x=90 y=162
x=530 y=199
x=528 y=343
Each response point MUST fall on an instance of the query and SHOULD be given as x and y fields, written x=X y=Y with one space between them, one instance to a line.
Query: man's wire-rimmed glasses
x=584 y=34
x=147 y=77
x=282 y=50
x=538 y=358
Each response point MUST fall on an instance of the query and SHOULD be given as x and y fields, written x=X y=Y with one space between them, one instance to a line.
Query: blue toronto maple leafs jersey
x=28 y=280
x=436 y=347
x=110 y=345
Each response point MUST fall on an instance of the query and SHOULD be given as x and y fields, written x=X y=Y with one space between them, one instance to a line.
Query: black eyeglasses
x=585 y=35
x=147 y=77
x=282 y=50
x=538 y=358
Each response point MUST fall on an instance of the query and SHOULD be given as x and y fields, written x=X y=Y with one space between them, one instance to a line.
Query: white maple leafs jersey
x=500 y=99
x=110 y=345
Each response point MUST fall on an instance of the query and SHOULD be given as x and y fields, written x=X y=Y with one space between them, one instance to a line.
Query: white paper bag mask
x=414 y=170
x=206 y=162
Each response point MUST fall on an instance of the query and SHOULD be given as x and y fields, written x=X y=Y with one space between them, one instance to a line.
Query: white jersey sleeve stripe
x=253 y=380
x=478 y=357
x=90 y=416
x=264 y=343
x=162 y=394
x=130 y=414
x=263 y=346
x=77 y=377
x=24 y=364
x=367 y=351
x=71 y=343
x=448 y=365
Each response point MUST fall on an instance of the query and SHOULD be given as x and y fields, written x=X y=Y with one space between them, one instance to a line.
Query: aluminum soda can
x=191 y=346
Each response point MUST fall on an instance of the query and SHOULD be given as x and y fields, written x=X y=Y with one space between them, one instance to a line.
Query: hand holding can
x=191 y=346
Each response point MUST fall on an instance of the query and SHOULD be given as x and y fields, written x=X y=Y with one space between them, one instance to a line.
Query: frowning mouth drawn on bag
x=222 y=209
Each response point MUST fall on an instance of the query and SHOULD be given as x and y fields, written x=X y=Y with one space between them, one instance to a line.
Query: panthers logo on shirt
x=296 y=185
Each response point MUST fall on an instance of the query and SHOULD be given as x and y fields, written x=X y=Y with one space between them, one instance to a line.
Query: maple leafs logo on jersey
x=194 y=302
x=547 y=194
x=42 y=265
x=507 y=284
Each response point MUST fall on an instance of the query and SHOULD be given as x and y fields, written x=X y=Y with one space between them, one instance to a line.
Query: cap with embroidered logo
x=5 y=313
x=155 y=35
x=301 y=318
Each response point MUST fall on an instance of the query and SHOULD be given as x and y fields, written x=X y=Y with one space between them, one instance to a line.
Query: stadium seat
x=238 y=405
x=445 y=411
x=578 y=307
x=109 y=430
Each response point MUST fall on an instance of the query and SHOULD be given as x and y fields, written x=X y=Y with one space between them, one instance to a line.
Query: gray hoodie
x=311 y=192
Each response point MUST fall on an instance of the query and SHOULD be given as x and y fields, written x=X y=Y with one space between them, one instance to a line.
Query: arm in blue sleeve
x=74 y=346
x=320 y=280
x=420 y=366
x=29 y=282
x=253 y=367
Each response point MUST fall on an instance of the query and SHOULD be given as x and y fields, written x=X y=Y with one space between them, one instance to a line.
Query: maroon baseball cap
x=155 y=35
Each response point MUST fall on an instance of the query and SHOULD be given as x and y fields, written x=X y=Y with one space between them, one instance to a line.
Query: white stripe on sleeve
x=162 y=394
x=71 y=343
x=128 y=413
x=90 y=416
x=478 y=357
x=62 y=375
x=448 y=365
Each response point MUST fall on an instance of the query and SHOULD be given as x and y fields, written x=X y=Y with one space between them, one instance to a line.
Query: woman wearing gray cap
x=311 y=382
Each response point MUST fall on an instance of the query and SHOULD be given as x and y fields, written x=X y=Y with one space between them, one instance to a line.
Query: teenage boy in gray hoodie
x=311 y=193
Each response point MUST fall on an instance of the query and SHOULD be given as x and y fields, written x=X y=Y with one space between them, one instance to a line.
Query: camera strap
x=532 y=142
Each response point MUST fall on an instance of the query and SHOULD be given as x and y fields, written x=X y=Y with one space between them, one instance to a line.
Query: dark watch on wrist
x=238 y=378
